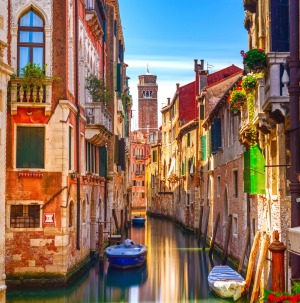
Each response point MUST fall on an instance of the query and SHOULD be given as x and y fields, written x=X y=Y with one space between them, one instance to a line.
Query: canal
x=176 y=271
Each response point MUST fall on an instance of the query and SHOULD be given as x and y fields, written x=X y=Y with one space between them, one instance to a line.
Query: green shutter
x=102 y=161
x=30 y=147
x=247 y=182
x=254 y=171
x=203 y=148
x=119 y=78
x=115 y=76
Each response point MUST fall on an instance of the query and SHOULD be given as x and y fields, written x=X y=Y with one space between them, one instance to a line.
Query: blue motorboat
x=126 y=255
x=138 y=221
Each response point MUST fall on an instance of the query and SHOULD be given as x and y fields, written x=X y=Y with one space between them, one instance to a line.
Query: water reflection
x=176 y=271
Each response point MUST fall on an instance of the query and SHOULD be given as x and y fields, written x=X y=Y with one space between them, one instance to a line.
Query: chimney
x=198 y=67
x=169 y=101
x=177 y=85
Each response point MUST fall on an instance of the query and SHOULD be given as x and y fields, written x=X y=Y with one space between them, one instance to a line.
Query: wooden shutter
x=30 y=147
x=119 y=78
x=216 y=140
x=102 y=161
x=203 y=148
x=254 y=171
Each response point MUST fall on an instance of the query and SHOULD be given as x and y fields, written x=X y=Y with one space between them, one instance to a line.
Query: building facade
x=5 y=72
x=59 y=175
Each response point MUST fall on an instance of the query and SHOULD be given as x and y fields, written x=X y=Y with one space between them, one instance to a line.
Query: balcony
x=95 y=16
x=139 y=173
x=276 y=86
x=139 y=157
x=33 y=96
x=98 y=124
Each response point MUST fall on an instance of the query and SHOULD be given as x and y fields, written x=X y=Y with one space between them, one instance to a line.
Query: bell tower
x=147 y=103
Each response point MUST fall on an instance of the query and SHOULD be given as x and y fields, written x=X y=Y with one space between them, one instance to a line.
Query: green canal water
x=176 y=271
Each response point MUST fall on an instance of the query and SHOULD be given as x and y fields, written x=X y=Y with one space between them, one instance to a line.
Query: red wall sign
x=49 y=218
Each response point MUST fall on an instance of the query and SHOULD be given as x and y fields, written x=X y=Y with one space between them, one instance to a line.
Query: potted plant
x=255 y=59
x=97 y=90
x=249 y=82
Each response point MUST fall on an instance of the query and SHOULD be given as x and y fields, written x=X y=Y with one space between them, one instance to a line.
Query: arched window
x=31 y=40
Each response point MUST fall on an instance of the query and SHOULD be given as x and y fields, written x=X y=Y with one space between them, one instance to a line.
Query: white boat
x=226 y=282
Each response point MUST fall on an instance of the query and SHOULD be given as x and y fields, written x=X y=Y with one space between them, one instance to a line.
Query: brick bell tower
x=147 y=103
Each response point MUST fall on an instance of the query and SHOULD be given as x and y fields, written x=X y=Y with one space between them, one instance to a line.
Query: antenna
x=209 y=65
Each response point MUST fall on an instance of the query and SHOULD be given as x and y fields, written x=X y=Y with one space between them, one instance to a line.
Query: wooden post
x=206 y=227
x=227 y=238
x=122 y=224
x=260 y=264
x=251 y=262
x=200 y=224
x=277 y=249
x=100 y=239
x=212 y=244
x=126 y=215
x=116 y=220
x=244 y=250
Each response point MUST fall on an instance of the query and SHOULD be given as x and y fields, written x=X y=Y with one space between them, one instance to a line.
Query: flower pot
x=258 y=66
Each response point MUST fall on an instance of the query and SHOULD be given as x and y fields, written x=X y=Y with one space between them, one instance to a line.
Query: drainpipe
x=77 y=128
x=294 y=92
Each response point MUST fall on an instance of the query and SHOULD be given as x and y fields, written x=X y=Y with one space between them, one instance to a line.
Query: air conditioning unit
x=294 y=239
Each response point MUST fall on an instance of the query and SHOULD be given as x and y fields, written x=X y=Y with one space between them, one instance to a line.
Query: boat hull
x=226 y=282
x=138 y=221
x=121 y=257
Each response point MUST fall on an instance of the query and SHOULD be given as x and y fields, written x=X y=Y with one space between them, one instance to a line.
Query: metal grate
x=25 y=216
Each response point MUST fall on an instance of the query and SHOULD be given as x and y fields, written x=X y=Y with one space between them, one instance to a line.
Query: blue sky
x=169 y=34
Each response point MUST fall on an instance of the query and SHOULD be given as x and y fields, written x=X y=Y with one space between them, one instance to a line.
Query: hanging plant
x=236 y=98
x=249 y=82
x=97 y=90
x=255 y=59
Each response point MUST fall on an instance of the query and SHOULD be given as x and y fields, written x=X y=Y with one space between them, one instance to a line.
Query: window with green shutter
x=254 y=171
x=203 y=148
x=102 y=161
x=30 y=147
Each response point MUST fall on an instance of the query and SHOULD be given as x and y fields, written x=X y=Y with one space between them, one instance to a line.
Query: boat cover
x=226 y=282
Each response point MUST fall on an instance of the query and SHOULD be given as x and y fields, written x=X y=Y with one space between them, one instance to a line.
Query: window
x=218 y=186
x=25 y=216
x=91 y=156
x=31 y=39
x=188 y=139
x=143 y=195
x=30 y=147
x=71 y=149
x=71 y=214
x=235 y=184
x=235 y=225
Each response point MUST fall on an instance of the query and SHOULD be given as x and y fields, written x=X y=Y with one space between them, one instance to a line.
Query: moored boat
x=226 y=282
x=126 y=255
x=138 y=221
